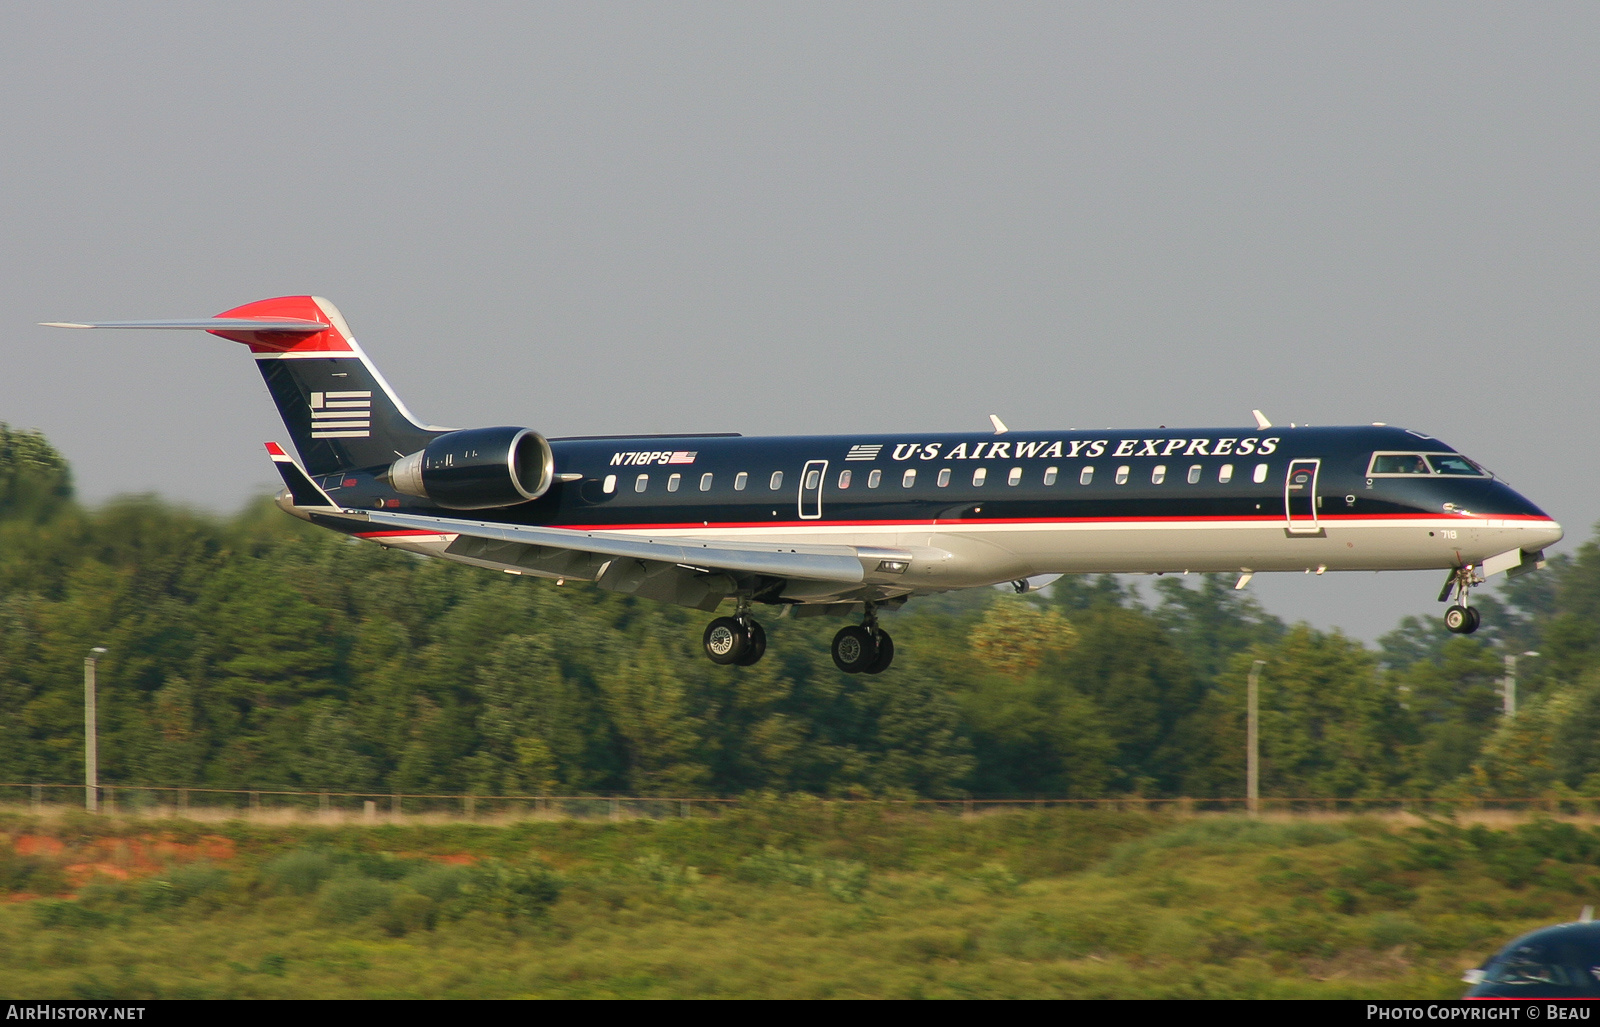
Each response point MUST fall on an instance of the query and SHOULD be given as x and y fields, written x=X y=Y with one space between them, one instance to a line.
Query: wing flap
x=815 y=562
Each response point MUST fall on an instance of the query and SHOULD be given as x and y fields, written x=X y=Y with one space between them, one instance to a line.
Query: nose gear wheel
x=1460 y=619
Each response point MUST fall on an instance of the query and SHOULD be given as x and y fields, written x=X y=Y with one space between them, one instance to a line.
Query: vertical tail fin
x=339 y=411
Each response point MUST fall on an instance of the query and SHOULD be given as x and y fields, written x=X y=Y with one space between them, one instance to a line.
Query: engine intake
x=478 y=468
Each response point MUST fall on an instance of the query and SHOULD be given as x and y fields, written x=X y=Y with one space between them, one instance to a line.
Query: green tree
x=1143 y=688
x=34 y=479
x=1330 y=724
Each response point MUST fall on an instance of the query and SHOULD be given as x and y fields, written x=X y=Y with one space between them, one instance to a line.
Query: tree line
x=256 y=651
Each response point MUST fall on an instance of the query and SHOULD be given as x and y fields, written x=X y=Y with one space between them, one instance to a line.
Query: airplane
x=859 y=524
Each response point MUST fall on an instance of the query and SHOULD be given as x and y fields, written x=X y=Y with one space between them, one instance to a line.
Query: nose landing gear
x=867 y=649
x=1460 y=619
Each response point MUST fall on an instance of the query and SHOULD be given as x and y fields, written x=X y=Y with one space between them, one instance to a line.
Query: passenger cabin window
x=1194 y=475
x=673 y=481
x=909 y=478
x=944 y=476
x=813 y=479
x=1050 y=475
x=1225 y=474
x=1122 y=475
x=1158 y=475
x=776 y=481
x=641 y=483
x=844 y=479
x=874 y=478
x=705 y=482
x=609 y=485
x=740 y=480
x=1086 y=475
x=979 y=476
x=1015 y=477
x=1261 y=473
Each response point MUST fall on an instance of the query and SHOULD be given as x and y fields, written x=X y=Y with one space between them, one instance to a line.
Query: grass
x=787 y=899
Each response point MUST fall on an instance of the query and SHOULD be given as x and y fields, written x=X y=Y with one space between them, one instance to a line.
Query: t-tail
x=340 y=413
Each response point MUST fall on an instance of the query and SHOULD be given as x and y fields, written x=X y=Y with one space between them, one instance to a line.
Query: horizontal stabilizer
x=207 y=324
x=302 y=489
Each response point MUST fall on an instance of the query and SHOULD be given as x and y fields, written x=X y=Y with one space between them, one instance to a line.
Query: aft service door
x=811 y=480
x=1300 y=497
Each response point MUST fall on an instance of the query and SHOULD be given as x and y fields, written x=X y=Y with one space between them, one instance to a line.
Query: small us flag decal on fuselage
x=341 y=415
x=863 y=453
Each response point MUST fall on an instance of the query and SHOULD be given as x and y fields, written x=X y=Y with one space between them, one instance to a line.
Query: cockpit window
x=1398 y=463
x=1395 y=464
x=1452 y=463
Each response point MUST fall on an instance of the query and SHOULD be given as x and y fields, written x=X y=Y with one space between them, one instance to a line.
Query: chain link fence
x=389 y=807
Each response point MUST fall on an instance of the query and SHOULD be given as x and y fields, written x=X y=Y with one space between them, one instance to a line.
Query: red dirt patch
x=81 y=872
x=124 y=858
x=37 y=845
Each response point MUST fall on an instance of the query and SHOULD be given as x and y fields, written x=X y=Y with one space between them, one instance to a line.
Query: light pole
x=1508 y=687
x=91 y=747
x=1252 y=740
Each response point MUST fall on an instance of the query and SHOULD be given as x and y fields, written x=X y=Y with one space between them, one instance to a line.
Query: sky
x=598 y=218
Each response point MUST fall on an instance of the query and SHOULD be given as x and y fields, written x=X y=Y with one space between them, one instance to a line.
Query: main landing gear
x=1460 y=619
x=867 y=649
x=735 y=641
x=739 y=641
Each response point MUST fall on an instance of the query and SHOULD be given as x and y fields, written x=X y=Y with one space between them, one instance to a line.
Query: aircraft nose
x=1540 y=534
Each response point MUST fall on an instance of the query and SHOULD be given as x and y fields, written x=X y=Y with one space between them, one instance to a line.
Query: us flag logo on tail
x=341 y=415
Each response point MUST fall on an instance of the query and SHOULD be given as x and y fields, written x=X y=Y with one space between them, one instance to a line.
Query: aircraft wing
x=846 y=565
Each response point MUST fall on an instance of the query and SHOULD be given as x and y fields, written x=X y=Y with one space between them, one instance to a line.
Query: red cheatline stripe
x=1260 y=518
x=716 y=525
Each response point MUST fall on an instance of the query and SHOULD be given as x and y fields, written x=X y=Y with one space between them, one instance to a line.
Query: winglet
x=999 y=425
x=302 y=489
x=1261 y=421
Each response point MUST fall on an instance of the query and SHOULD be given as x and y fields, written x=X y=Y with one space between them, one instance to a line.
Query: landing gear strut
x=867 y=649
x=1460 y=619
x=735 y=641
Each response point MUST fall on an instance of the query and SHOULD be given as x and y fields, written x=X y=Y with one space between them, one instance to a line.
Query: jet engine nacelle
x=478 y=468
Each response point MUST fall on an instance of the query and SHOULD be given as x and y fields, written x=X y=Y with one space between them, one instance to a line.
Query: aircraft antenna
x=1261 y=421
x=999 y=425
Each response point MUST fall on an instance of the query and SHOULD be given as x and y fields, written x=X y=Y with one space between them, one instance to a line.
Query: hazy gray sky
x=771 y=218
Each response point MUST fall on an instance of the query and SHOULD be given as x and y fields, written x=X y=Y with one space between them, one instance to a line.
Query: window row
x=908 y=478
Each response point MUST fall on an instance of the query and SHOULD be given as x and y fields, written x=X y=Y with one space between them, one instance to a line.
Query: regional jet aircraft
x=856 y=524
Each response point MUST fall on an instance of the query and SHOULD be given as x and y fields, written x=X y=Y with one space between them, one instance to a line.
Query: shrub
x=347 y=899
x=652 y=867
x=513 y=890
x=845 y=880
x=69 y=914
x=19 y=873
x=407 y=912
x=442 y=883
x=298 y=873
x=182 y=884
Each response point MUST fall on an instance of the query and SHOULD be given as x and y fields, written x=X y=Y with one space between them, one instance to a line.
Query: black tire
x=1457 y=620
x=755 y=644
x=725 y=641
x=854 y=650
x=885 y=654
x=1473 y=620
